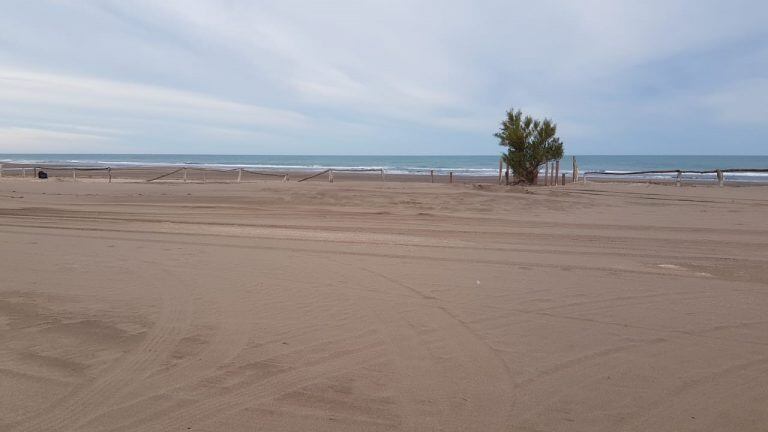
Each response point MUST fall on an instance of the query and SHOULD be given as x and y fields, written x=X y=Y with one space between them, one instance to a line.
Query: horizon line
x=373 y=155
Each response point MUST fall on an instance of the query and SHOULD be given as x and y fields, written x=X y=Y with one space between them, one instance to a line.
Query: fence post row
x=552 y=174
x=720 y=173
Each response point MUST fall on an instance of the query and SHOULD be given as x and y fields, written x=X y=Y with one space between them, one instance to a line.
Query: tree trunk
x=534 y=177
x=506 y=175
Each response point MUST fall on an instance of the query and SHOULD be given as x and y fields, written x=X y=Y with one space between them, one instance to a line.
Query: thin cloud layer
x=376 y=77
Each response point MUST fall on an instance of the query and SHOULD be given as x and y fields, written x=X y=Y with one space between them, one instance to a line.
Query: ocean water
x=459 y=165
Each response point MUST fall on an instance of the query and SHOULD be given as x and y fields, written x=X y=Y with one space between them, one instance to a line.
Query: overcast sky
x=381 y=77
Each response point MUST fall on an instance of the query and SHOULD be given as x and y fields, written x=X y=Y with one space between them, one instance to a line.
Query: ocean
x=459 y=165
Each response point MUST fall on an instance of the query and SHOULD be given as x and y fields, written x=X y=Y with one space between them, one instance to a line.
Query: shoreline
x=199 y=174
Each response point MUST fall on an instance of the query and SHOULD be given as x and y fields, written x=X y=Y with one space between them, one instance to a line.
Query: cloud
x=395 y=76
x=31 y=140
x=744 y=102
x=68 y=92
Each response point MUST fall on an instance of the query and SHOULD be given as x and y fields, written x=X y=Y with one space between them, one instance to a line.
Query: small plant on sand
x=530 y=144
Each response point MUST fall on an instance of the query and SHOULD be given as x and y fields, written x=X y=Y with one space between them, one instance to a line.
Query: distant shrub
x=530 y=143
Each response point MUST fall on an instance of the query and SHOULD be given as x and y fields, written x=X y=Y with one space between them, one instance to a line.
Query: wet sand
x=381 y=306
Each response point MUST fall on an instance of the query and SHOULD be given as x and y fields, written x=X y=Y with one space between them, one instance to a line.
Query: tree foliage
x=530 y=144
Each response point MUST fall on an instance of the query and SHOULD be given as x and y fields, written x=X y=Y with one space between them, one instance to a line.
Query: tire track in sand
x=465 y=377
x=247 y=394
x=67 y=414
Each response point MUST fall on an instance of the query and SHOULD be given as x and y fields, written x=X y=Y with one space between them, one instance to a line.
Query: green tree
x=530 y=144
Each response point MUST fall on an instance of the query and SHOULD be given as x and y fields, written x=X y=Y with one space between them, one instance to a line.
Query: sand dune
x=382 y=306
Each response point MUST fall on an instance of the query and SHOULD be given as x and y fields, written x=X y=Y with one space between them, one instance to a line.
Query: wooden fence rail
x=727 y=170
x=184 y=169
x=679 y=173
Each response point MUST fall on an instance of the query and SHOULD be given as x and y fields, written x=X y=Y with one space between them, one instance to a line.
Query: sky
x=382 y=76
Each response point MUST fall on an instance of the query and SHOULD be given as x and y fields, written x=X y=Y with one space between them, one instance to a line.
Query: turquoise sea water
x=460 y=165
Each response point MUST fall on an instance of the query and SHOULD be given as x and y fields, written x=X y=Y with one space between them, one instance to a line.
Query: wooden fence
x=552 y=174
x=719 y=173
x=185 y=171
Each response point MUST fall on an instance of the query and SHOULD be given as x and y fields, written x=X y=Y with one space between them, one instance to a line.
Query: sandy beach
x=382 y=306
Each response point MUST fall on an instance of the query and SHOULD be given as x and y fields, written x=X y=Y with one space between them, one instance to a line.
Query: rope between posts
x=67 y=168
x=745 y=170
x=164 y=175
x=213 y=169
x=264 y=174
x=313 y=176
x=728 y=170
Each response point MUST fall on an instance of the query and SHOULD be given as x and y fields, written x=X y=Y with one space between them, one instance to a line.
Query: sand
x=370 y=306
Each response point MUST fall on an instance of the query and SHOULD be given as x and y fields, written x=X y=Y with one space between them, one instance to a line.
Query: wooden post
x=553 y=174
x=720 y=178
x=557 y=171
x=432 y=176
x=450 y=177
x=679 y=178
x=546 y=174
x=563 y=179
x=575 y=170
x=553 y=181
x=109 y=173
x=35 y=173
x=330 y=176
x=185 y=175
x=23 y=172
x=501 y=162
x=382 y=174
x=74 y=175
x=239 y=175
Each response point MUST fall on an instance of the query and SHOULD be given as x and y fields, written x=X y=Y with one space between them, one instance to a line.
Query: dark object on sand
x=42 y=175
